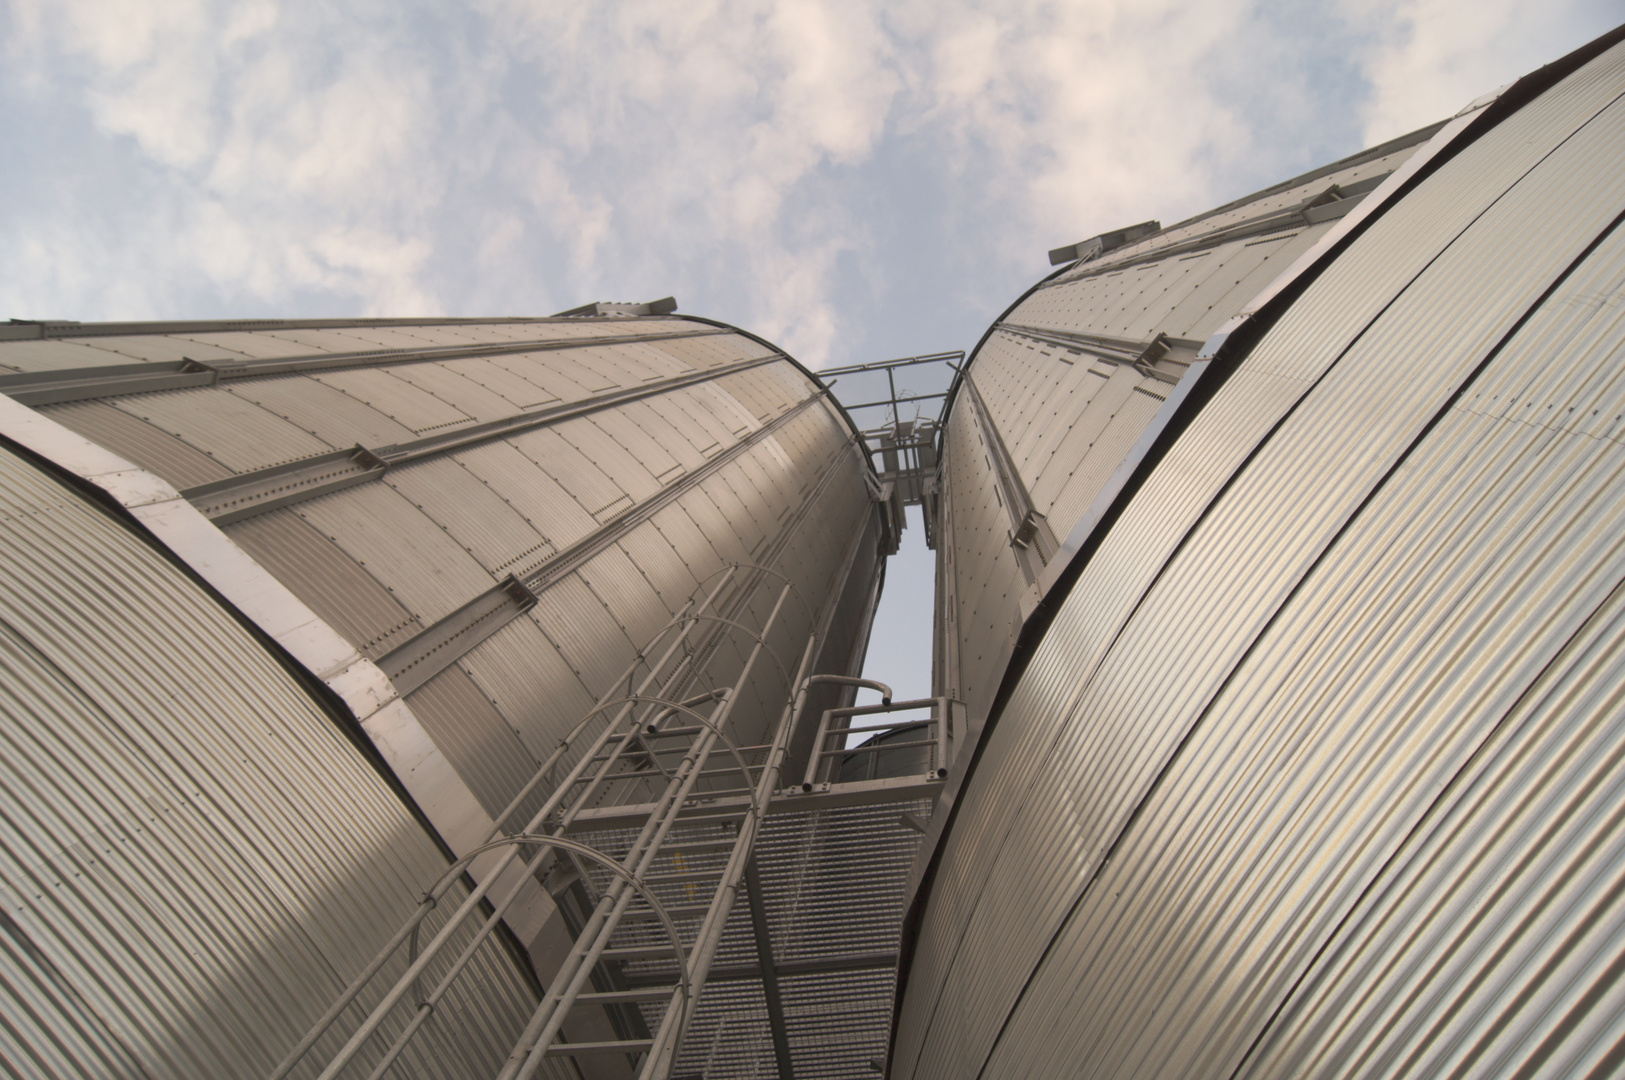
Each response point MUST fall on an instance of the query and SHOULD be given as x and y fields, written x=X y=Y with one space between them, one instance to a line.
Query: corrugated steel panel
x=1239 y=280
x=709 y=352
x=652 y=362
x=636 y=363
x=493 y=333
x=400 y=401
x=987 y=577
x=1547 y=928
x=532 y=493
x=700 y=407
x=1105 y=453
x=725 y=519
x=556 y=374
x=383 y=560
x=1056 y=390
x=591 y=368
x=1322 y=754
x=387 y=337
x=332 y=416
x=1077 y=435
x=1367 y=167
x=666 y=570
x=594 y=440
x=500 y=378
x=581 y=628
x=158 y=348
x=616 y=442
x=50 y=355
x=638 y=427
x=679 y=529
x=486 y=752
x=595 y=492
x=1092 y=741
x=234 y=431
x=182 y=464
x=739 y=420
x=471 y=513
x=423 y=568
x=184 y=883
x=334 y=585
x=530 y=683
x=632 y=601
x=679 y=419
x=255 y=345
x=322 y=341
x=464 y=394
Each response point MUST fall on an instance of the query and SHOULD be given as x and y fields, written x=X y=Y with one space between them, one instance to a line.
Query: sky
x=852 y=180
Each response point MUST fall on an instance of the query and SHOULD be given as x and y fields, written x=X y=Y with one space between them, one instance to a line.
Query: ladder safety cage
x=648 y=741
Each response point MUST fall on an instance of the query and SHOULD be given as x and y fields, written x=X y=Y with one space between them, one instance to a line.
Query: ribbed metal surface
x=1362 y=168
x=337 y=588
x=1253 y=781
x=613 y=517
x=233 y=431
x=192 y=855
x=139 y=442
x=987 y=582
x=1069 y=414
x=833 y=884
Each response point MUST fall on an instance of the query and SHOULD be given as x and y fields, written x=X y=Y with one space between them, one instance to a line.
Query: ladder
x=659 y=738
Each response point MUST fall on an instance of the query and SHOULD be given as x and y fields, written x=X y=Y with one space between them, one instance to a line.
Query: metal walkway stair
x=641 y=825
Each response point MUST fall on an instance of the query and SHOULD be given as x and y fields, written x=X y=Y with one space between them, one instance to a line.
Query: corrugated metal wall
x=833 y=883
x=193 y=858
x=1312 y=772
x=1072 y=376
x=467 y=529
x=614 y=515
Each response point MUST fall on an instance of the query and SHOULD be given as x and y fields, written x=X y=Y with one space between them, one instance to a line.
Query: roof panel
x=426 y=570
x=232 y=430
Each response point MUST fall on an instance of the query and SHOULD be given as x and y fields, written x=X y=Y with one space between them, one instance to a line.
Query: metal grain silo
x=193 y=854
x=1285 y=551
x=424 y=554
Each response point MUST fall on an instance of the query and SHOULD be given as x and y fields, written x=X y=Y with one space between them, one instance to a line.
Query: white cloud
x=823 y=172
x=1426 y=59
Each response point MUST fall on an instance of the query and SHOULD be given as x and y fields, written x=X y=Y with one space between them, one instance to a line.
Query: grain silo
x=316 y=617
x=1283 y=547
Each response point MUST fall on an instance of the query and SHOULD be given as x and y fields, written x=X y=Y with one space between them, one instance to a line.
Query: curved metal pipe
x=851 y=680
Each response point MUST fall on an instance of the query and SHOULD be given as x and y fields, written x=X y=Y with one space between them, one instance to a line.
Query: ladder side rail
x=431 y=898
x=530 y=1050
x=679 y=1013
x=424 y=1009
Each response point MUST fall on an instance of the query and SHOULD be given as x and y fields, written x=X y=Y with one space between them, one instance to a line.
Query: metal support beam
x=789 y=800
x=770 y=974
x=427 y=653
x=119 y=380
x=243 y=496
x=1030 y=535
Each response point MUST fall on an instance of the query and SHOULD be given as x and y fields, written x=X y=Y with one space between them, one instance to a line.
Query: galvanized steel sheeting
x=1069 y=416
x=1245 y=798
x=192 y=856
x=389 y=558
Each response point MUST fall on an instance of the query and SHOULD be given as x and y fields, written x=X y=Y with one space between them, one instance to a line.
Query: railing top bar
x=865 y=710
x=902 y=725
x=882 y=365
